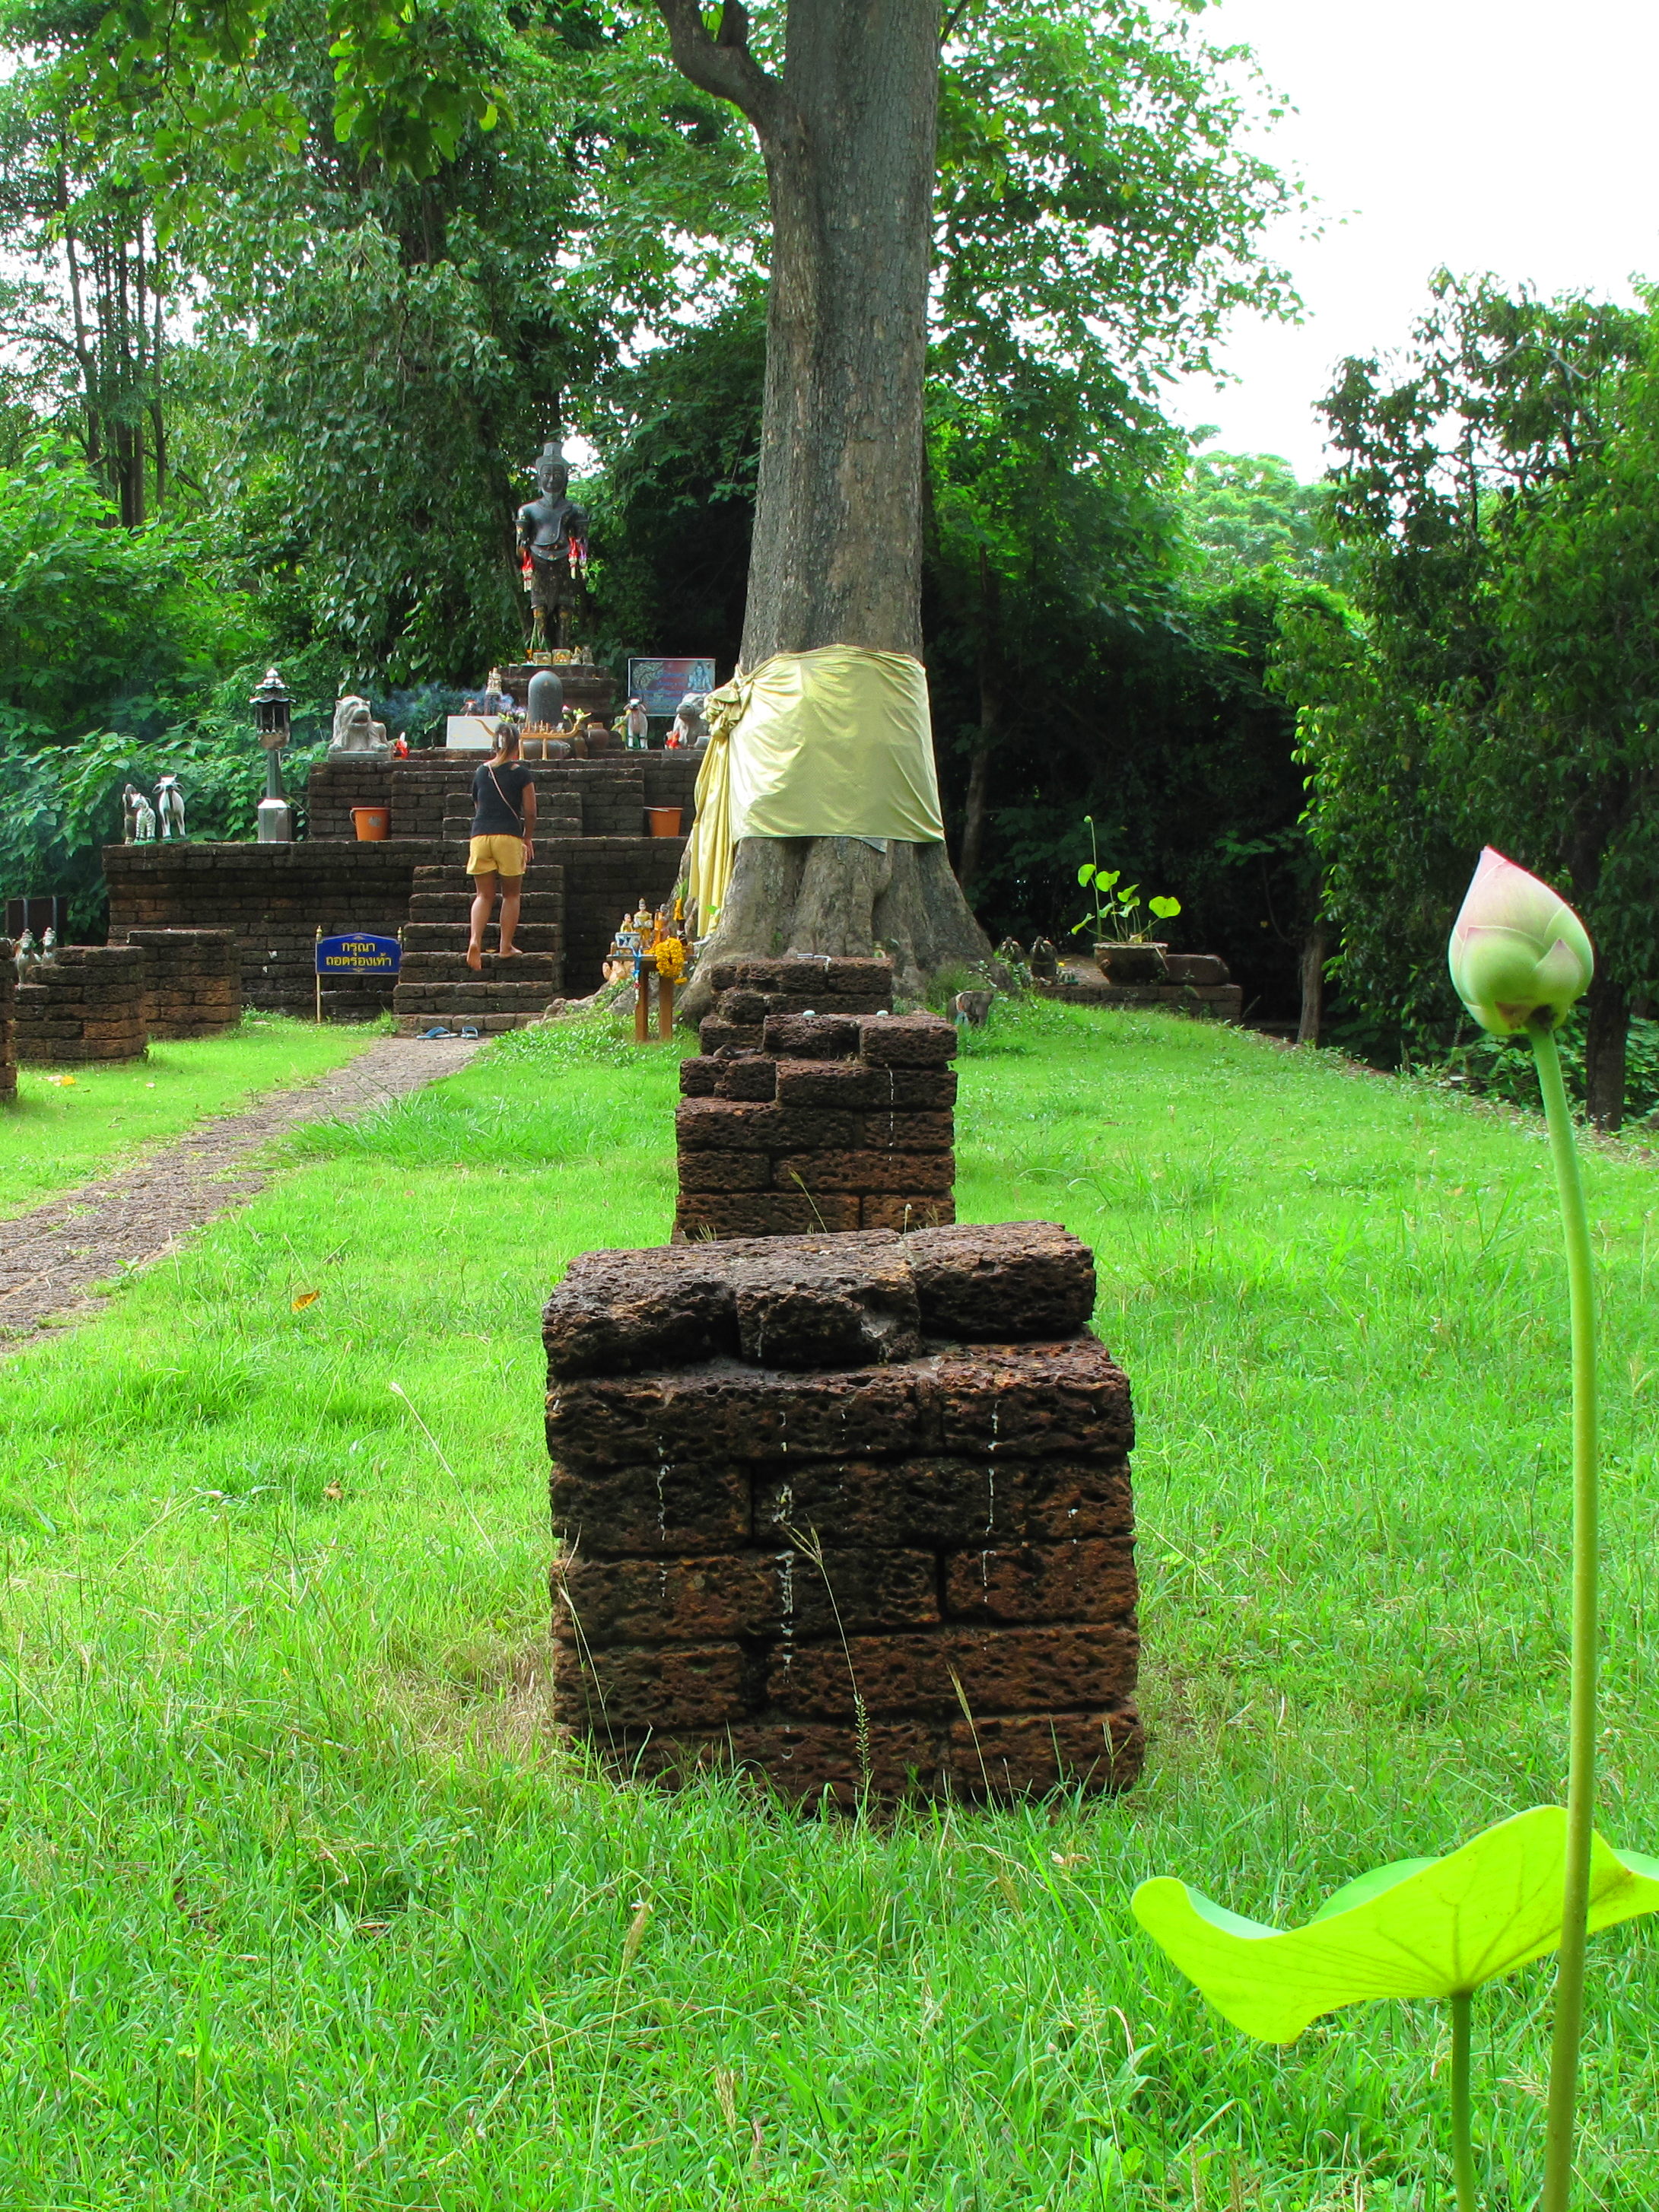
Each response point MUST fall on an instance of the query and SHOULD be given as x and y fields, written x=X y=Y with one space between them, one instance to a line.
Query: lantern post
x=271 y=707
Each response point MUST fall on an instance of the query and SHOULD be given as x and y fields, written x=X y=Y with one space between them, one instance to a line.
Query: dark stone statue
x=553 y=537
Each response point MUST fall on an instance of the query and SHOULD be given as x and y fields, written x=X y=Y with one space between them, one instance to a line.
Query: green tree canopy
x=1494 y=689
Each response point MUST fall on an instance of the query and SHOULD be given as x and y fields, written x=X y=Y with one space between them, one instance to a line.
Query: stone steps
x=527 y=970
x=450 y=935
x=427 y=908
x=538 y=878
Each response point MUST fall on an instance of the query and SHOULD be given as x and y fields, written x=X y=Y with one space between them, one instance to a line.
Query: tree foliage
x=1497 y=500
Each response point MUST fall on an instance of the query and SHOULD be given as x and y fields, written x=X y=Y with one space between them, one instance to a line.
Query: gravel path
x=51 y=1256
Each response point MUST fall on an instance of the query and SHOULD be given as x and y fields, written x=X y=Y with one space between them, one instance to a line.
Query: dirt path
x=51 y=1256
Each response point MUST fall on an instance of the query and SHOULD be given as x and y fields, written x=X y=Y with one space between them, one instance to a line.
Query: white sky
x=1500 y=134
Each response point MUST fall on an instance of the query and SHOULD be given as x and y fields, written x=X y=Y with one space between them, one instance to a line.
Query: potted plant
x=1125 y=952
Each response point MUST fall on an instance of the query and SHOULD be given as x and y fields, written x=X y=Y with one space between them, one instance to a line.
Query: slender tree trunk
x=847 y=131
x=1606 y=1044
x=990 y=726
x=1313 y=948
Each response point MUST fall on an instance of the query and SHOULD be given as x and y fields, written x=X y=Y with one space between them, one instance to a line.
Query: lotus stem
x=1461 y=2102
x=1580 y=1736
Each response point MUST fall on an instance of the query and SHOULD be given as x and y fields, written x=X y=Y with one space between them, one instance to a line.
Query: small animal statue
x=1045 y=962
x=27 y=954
x=690 y=727
x=355 y=730
x=49 y=944
x=1012 y=952
x=637 y=725
x=974 y=1007
x=170 y=807
x=137 y=817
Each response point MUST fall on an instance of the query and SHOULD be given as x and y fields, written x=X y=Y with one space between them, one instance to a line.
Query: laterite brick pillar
x=800 y=1115
x=86 y=1003
x=852 y=1511
x=8 y=1019
x=194 y=981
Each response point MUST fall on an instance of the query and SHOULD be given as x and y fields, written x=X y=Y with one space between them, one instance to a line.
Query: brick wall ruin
x=1195 y=984
x=8 y=1019
x=193 y=982
x=852 y=1511
x=86 y=1003
x=604 y=798
x=273 y=898
x=836 y=1118
x=591 y=820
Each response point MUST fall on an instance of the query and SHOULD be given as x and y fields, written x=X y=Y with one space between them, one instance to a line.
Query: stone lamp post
x=271 y=704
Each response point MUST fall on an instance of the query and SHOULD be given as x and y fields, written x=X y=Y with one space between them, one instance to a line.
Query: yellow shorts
x=497 y=856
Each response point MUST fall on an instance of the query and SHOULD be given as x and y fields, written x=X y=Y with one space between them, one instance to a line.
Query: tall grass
x=300 y=1907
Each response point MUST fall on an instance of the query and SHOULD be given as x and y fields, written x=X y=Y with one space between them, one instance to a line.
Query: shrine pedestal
x=588 y=688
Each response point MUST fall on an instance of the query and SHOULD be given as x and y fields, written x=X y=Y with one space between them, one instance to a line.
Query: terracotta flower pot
x=664 y=821
x=1130 y=963
x=372 y=824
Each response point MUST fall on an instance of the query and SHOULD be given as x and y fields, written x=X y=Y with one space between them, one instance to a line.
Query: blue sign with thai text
x=358 y=955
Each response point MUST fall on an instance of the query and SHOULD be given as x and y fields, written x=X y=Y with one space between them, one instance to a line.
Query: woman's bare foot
x=474 y=957
x=510 y=952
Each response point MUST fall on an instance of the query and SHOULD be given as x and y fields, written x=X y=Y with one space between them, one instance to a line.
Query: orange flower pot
x=664 y=821
x=372 y=824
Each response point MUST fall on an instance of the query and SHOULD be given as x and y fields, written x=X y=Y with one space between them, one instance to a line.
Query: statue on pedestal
x=355 y=730
x=553 y=554
x=170 y=808
x=137 y=817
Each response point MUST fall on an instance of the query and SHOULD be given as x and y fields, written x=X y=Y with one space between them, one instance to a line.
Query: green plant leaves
x=1419 y=1928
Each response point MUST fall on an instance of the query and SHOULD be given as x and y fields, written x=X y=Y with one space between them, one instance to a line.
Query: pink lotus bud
x=1517 y=950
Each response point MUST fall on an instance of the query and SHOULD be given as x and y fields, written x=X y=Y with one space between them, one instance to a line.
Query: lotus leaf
x=1421 y=1928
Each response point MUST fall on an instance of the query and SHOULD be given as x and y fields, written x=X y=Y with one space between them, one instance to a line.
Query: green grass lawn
x=299 y=1910
x=71 y=1124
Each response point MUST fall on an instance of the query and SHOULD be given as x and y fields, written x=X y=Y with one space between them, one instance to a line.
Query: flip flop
x=426 y=1034
x=469 y=1033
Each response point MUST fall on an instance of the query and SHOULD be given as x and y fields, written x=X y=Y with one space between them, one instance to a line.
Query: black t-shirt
x=498 y=800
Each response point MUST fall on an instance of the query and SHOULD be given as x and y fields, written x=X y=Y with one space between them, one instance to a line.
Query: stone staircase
x=436 y=986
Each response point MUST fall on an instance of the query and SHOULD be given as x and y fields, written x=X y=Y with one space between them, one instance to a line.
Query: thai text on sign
x=358 y=955
x=659 y=685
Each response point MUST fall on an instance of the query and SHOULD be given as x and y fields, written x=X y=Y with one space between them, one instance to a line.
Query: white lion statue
x=355 y=730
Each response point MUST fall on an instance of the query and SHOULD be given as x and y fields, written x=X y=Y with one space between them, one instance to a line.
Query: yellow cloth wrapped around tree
x=834 y=743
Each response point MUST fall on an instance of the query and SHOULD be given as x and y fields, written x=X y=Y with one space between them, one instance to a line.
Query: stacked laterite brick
x=852 y=1511
x=194 y=987
x=747 y=991
x=273 y=898
x=828 y=1120
x=86 y=1003
x=8 y=1019
x=1196 y=983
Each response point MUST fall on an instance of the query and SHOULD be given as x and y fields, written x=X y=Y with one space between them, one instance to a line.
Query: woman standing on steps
x=503 y=822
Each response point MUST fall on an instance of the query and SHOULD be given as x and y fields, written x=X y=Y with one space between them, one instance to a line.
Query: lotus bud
x=1519 y=956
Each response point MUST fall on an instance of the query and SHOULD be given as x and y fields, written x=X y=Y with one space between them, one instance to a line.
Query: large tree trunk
x=847 y=131
x=1606 y=1044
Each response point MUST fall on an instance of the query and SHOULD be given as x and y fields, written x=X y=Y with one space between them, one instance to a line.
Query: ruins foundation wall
x=851 y=1511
